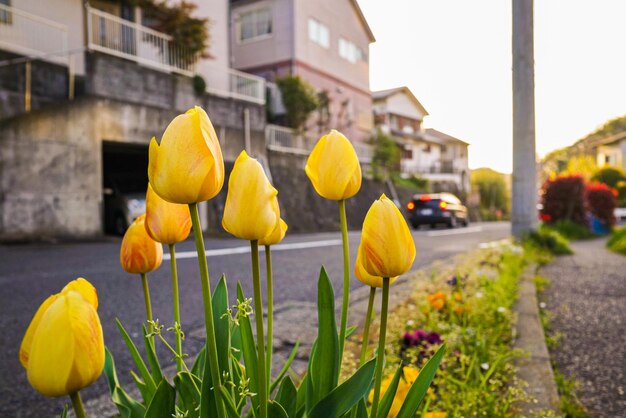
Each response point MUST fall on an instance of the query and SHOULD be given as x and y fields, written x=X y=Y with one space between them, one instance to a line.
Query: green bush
x=570 y=230
x=609 y=176
x=299 y=98
x=617 y=241
x=550 y=240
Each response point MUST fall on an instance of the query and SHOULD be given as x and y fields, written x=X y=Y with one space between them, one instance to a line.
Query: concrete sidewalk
x=588 y=299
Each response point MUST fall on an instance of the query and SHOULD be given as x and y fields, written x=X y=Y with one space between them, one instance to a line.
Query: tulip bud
x=276 y=235
x=387 y=248
x=366 y=278
x=187 y=167
x=333 y=167
x=140 y=253
x=251 y=211
x=167 y=223
x=63 y=348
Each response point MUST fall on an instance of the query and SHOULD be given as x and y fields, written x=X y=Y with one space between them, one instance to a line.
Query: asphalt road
x=30 y=273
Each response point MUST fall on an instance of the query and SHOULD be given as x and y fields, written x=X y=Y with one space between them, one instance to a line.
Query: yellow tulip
x=410 y=374
x=63 y=348
x=366 y=278
x=166 y=222
x=251 y=211
x=387 y=248
x=276 y=235
x=435 y=415
x=187 y=167
x=333 y=167
x=140 y=253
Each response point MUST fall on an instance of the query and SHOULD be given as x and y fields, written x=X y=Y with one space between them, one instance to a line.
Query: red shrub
x=601 y=202
x=564 y=199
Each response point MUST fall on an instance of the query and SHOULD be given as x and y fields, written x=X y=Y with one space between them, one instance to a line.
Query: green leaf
x=421 y=385
x=141 y=366
x=287 y=396
x=222 y=326
x=187 y=387
x=286 y=366
x=198 y=365
x=64 y=413
x=324 y=362
x=387 y=399
x=163 y=404
x=143 y=388
x=361 y=410
x=155 y=367
x=248 y=348
x=346 y=395
x=231 y=409
x=350 y=331
x=275 y=410
x=127 y=406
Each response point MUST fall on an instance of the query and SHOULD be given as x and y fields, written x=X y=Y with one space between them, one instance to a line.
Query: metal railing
x=442 y=167
x=116 y=36
x=227 y=82
x=28 y=34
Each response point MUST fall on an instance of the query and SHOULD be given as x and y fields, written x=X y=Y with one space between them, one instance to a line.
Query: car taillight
x=443 y=205
x=424 y=197
x=410 y=205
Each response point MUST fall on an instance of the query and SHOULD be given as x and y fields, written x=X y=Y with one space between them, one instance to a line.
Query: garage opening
x=125 y=179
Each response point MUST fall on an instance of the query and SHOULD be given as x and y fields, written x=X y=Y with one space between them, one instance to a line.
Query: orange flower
x=139 y=252
x=457 y=296
x=167 y=223
x=437 y=300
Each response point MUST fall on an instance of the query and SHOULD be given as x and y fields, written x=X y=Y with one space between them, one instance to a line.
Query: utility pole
x=524 y=211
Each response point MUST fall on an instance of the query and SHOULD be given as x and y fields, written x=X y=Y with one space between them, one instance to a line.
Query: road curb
x=535 y=368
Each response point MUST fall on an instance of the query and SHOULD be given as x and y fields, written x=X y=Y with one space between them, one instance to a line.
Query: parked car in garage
x=122 y=204
x=437 y=208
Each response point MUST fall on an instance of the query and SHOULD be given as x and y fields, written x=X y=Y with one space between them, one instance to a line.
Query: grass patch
x=617 y=241
x=570 y=230
x=468 y=305
x=547 y=239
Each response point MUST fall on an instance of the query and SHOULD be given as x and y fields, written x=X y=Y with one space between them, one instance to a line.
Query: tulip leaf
x=275 y=410
x=143 y=388
x=155 y=367
x=287 y=396
x=324 y=362
x=390 y=393
x=222 y=326
x=64 y=413
x=345 y=396
x=127 y=406
x=187 y=386
x=420 y=386
x=286 y=366
x=248 y=348
x=198 y=365
x=361 y=410
x=141 y=366
x=231 y=409
x=163 y=403
x=350 y=331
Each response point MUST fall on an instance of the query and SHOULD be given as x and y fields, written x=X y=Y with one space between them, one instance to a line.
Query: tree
x=493 y=191
x=386 y=156
x=609 y=176
x=299 y=98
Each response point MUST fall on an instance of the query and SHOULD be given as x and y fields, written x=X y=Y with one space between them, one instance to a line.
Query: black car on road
x=437 y=208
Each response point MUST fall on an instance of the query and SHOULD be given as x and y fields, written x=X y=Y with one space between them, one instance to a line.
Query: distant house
x=611 y=151
x=325 y=42
x=426 y=153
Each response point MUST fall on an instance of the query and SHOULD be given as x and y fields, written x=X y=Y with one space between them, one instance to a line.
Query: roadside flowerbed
x=468 y=306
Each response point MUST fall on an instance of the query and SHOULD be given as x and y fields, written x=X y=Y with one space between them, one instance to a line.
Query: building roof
x=383 y=94
x=361 y=17
x=434 y=134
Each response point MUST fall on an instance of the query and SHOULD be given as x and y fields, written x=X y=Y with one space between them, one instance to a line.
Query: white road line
x=246 y=249
x=469 y=230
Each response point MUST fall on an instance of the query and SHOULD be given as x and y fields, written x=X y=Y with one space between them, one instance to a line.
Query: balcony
x=112 y=35
x=27 y=34
x=439 y=167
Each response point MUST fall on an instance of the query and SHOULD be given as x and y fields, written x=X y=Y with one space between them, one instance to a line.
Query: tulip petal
x=277 y=234
x=27 y=341
x=139 y=253
x=86 y=289
x=167 y=223
x=366 y=278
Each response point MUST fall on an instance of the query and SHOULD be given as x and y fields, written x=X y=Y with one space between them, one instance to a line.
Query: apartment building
x=426 y=153
x=325 y=42
x=84 y=85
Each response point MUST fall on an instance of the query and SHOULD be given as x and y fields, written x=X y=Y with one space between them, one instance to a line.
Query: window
x=350 y=51
x=319 y=33
x=427 y=148
x=407 y=154
x=255 y=24
x=5 y=15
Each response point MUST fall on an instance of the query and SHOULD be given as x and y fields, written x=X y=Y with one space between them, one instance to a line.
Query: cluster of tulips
x=63 y=349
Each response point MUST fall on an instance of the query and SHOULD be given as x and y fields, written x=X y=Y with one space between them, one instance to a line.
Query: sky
x=455 y=56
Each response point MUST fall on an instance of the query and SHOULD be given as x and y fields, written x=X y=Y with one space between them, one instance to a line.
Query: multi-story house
x=325 y=42
x=84 y=85
x=426 y=153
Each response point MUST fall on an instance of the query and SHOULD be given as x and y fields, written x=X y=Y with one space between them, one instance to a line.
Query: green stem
x=258 y=317
x=270 y=312
x=366 y=328
x=175 y=297
x=381 y=346
x=77 y=404
x=346 y=278
x=211 y=344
